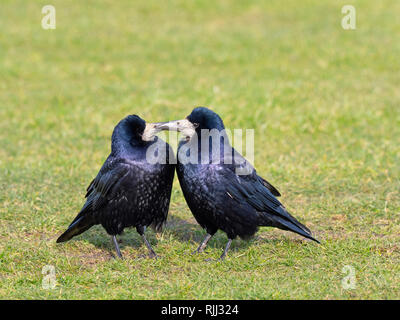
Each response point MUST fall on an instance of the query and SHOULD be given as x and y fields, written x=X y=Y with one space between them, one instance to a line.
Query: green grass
x=324 y=103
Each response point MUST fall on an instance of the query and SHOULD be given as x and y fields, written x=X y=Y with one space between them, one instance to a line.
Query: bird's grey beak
x=150 y=131
x=176 y=125
x=184 y=126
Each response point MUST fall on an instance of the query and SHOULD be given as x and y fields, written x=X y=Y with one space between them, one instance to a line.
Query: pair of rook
x=130 y=191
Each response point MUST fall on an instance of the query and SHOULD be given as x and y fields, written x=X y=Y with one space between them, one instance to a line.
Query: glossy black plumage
x=220 y=199
x=128 y=191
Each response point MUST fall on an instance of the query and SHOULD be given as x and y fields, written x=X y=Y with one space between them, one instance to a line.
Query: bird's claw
x=153 y=256
x=214 y=260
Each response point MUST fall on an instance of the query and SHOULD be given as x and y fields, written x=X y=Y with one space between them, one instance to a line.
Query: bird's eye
x=196 y=125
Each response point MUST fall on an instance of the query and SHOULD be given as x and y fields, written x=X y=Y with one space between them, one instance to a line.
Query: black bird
x=223 y=194
x=129 y=190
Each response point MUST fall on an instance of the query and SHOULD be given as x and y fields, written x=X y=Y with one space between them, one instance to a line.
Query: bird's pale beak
x=150 y=131
x=176 y=125
x=187 y=128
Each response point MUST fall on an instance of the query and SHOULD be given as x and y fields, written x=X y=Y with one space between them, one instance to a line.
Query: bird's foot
x=153 y=255
x=220 y=259
x=118 y=256
x=148 y=256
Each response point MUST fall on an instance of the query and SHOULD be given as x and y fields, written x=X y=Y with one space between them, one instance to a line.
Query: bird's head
x=134 y=129
x=200 y=118
x=204 y=118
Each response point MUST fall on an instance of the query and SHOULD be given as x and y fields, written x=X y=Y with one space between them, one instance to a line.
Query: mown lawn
x=324 y=103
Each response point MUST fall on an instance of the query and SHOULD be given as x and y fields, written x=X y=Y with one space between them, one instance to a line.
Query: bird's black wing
x=270 y=187
x=102 y=188
x=251 y=189
x=239 y=162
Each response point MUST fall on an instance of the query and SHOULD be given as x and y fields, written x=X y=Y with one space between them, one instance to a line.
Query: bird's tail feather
x=294 y=226
x=77 y=227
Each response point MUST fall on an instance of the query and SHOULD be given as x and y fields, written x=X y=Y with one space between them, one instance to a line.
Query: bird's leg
x=114 y=239
x=223 y=255
x=203 y=244
x=151 y=251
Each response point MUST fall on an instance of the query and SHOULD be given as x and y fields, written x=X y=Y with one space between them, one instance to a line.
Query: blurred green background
x=324 y=103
